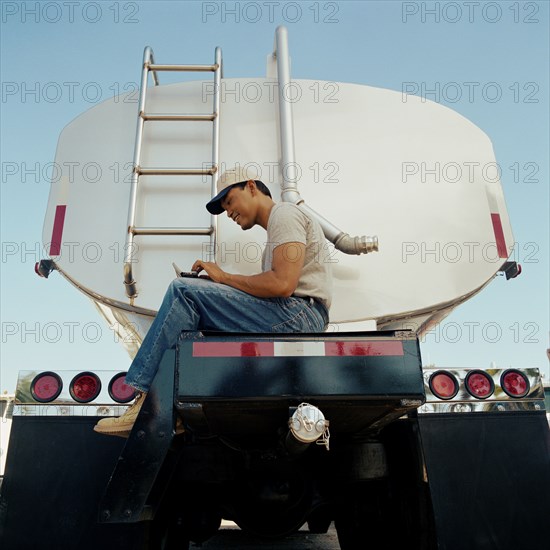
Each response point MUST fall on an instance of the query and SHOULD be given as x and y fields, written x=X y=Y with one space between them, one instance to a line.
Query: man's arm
x=279 y=282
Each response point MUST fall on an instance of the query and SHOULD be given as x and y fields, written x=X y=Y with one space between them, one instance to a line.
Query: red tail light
x=479 y=384
x=46 y=387
x=119 y=390
x=443 y=385
x=514 y=383
x=85 y=387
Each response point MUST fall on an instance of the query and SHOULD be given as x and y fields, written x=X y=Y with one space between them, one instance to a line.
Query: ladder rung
x=188 y=68
x=172 y=230
x=180 y=117
x=176 y=171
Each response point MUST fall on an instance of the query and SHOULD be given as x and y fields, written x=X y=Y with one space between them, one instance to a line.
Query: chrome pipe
x=129 y=282
x=215 y=145
x=341 y=240
x=288 y=156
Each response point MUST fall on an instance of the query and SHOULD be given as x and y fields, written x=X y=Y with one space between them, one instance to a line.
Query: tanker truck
x=293 y=431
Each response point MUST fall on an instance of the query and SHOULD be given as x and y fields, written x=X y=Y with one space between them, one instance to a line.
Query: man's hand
x=279 y=282
x=214 y=271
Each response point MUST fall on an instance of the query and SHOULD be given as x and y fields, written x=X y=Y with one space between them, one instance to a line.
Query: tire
x=362 y=517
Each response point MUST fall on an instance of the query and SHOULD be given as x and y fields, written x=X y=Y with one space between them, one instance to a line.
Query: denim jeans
x=199 y=304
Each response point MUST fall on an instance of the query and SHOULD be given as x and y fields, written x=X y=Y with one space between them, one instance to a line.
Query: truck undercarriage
x=386 y=467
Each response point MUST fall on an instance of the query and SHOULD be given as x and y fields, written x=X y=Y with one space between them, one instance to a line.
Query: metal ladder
x=150 y=66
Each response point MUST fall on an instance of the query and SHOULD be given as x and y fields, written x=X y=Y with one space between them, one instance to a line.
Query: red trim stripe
x=233 y=349
x=364 y=348
x=57 y=232
x=499 y=236
x=267 y=349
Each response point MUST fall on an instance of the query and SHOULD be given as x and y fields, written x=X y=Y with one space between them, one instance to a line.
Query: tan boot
x=121 y=426
x=179 y=426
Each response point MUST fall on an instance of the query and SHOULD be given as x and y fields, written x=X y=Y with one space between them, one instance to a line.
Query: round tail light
x=46 y=387
x=514 y=383
x=85 y=387
x=119 y=390
x=479 y=384
x=443 y=385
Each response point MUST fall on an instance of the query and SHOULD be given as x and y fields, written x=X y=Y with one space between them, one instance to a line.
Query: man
x=291 y=294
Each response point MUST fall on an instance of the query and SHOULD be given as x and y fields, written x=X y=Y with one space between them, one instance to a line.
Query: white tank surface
x=372 y=161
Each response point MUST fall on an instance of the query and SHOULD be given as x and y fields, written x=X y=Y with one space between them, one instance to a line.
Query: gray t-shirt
x=289 y=224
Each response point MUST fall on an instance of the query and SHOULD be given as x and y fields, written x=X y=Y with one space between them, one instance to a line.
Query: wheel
x=362 y=517
x=319 y=520
x=182 y=520
x=163 y=536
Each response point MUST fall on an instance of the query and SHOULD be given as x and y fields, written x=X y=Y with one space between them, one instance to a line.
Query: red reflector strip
x=304 y=349
x=233 y=349
x=363 y=348
x=57 y=232
x=499 y=236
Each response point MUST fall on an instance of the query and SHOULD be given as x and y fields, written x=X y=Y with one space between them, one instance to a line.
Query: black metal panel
x=361 y=381
x=489 y=477
x=56 y=472
x=304 y=377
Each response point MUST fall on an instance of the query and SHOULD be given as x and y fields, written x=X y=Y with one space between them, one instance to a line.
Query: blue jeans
x=198 y=304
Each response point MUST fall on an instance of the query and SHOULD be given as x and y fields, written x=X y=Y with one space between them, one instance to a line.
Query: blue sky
x=486 y=60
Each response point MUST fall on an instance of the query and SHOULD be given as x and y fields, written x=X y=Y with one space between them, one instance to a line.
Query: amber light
x=119 y=390
x=479 y=384
x=46 y=387
x=443 y=385
x=514 y=383
x=85 y=387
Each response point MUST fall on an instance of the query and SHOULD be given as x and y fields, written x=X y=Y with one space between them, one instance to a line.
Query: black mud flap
x=58 y=468
x=489 y=478
x=56 y=472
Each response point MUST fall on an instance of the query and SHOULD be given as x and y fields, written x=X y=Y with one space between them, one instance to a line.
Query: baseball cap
x=230 y=178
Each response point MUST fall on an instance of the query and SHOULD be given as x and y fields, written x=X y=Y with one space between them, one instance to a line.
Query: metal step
x=209 y=117
x=184 y=68
x=172 y=230
x=176 y=171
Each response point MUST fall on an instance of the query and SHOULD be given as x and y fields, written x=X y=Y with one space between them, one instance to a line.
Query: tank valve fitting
x=307 y=425
x=356 y=245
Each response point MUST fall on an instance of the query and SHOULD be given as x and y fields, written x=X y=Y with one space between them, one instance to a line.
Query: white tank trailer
x=405 y=178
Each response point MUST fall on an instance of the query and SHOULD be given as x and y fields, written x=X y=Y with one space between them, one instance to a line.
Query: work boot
x=179 y=426
x=122 y=425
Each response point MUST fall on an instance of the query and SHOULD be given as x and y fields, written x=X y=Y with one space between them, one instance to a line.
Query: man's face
x=239 y=205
